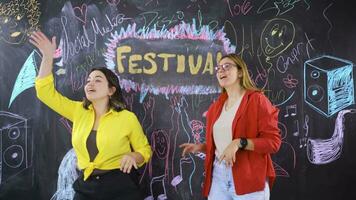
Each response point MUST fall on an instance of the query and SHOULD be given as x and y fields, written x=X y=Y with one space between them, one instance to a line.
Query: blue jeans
x=222 y=187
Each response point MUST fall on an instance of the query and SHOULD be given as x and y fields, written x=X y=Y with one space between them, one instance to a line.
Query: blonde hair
x=245 y=81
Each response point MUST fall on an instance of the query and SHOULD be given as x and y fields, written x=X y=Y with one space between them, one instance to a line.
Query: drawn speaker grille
x=328 y=84
x=13 y=145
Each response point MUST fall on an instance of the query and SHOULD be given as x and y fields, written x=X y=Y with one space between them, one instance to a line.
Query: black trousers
x=113 y=185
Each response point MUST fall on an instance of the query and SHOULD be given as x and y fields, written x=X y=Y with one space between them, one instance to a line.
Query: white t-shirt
x=222 y=129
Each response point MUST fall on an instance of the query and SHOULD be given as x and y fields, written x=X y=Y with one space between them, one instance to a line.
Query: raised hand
x=41 y=41
x=47 y=49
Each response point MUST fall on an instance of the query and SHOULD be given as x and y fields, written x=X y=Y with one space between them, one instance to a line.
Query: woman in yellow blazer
x=108 y=139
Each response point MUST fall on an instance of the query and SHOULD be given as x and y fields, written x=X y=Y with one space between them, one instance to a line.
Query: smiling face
x=17 y=19
x=97 y=87
x=160 y=143
x=276 y=37
x=227 y=73
x=13 y=29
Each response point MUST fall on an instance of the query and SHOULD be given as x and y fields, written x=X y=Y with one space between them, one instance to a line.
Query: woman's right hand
x=47 y=49
x=41 y=41
x=191 y=148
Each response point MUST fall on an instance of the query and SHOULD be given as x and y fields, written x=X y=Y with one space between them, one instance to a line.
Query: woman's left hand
x=229 y=154
x=127 y=161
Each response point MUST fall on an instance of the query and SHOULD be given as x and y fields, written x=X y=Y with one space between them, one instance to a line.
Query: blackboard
x=300 y=51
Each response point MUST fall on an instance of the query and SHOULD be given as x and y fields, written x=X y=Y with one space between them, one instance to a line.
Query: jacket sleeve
x=268 y=138
x=47 y=93
x=138 y=139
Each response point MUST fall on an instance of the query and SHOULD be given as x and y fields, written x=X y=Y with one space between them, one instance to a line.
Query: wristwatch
x=243 y=143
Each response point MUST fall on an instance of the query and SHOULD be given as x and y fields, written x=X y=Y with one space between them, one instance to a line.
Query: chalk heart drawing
x=81 y=13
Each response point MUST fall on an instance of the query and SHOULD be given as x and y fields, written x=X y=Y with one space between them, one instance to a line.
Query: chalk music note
x=292 y=109
x=179 y=178
x=160 y=179
x=296 y=132
x=176 y=180
x=302 y=142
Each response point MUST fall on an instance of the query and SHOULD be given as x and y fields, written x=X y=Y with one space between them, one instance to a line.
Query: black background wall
x=300 y=51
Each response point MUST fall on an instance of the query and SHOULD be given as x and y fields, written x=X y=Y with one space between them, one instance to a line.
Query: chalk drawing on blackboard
x=15 y=145
x=323 y=151
x=279 y=170
x=156 y=2
x=113 y=2
x=197 y=128
x=196 y=4
x=148 y=117
x=200 y=155
x=290 y=82
x=296 y=131
x=285 y=149
x=129 y=99
x=160 y=179
x=26 y=77
x=276 y=37
x=58 y=54
x=161 y=147
x=291 y=110
x=80 y=13
x=116 y=55
x=66 y=123
x=179 y=178
x=328 y=84
x=17 y=19
x=184 y=121
x=286 y=100
x=67 y=174
x=280 y=7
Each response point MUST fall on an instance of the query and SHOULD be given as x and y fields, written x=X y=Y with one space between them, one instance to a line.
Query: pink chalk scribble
x=323 y=151
x=178 y=32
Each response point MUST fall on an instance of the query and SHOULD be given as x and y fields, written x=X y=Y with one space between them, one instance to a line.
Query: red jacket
x=257 y=120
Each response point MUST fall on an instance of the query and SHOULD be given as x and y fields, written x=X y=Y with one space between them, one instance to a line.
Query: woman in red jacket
x=242 y=131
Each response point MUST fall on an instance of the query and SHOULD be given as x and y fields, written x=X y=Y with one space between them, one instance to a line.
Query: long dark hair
x=116 y=100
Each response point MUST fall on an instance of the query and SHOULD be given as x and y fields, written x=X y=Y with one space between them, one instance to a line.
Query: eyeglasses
x=224 y=67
